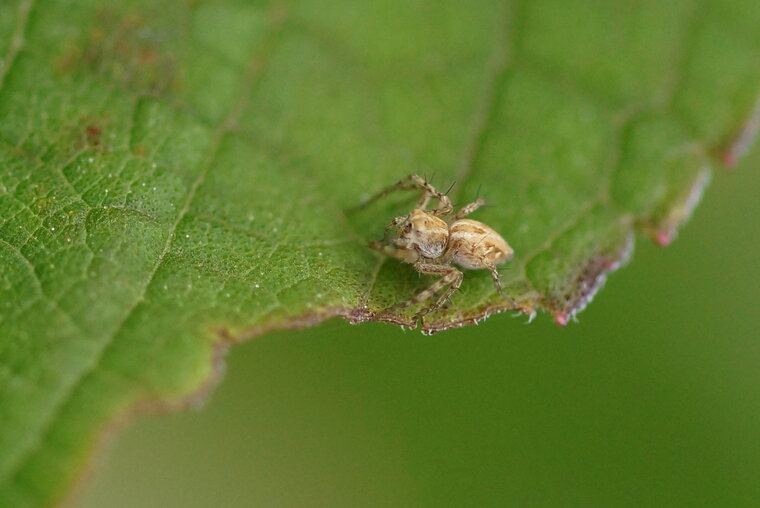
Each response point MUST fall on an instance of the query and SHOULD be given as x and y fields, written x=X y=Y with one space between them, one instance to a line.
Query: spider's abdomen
x=473 y=245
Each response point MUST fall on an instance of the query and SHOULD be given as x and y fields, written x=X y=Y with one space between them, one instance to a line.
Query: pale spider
x=433 y=239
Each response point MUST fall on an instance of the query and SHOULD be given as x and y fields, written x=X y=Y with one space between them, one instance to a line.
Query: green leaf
x=176 y=177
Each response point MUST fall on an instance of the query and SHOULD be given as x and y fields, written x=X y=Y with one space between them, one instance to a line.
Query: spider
x=434 y=239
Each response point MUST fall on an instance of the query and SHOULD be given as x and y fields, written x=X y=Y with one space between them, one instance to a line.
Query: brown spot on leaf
x=93 y=133
x=125 y=49
x=88 y=133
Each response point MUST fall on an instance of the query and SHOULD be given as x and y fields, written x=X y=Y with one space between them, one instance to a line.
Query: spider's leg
x=415 y=182
x=424 y=200
x=495 y=278
x=406 y=183
x=450 y=276
x=441 y=301
x=387 y=248
x=395 y=223
x=468 y=209
x=444 y=203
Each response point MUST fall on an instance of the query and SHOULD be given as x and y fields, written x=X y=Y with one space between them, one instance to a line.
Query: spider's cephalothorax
x=422 y=234
x=434 y=239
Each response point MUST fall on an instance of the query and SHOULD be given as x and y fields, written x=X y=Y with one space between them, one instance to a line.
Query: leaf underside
x=177 y=176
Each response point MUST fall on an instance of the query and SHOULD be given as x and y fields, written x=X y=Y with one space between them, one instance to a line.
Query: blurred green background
x=653 y=399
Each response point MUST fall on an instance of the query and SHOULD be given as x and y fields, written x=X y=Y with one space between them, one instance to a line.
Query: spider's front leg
x=387 y=248
x=444 y=203
x=450 y=277
x=468 y=209
x=415 y=182
x=396 y=222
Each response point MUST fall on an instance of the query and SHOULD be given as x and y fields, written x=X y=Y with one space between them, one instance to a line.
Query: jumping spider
x=434 y=239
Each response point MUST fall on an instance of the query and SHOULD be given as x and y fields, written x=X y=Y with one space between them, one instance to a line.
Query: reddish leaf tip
x=729 y=158
x=663 y=238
